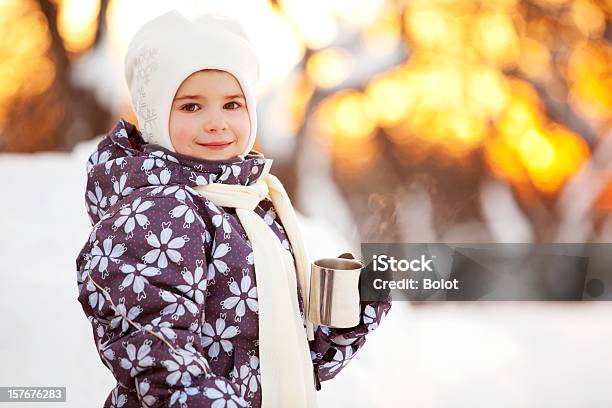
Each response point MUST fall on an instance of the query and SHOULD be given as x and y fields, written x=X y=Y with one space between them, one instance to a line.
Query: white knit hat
x=168 y=49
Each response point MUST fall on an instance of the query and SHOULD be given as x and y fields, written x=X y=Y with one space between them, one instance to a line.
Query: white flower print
x=137 y=278
x=250 y=258
x=137 y=360
x=196 y=285
x=323 y=329
x=223 y=221
x=105 y=351
x=270 y=216
x=189 y=192
x=152 y=161
x=341 y=340
x=182 y=367
x=245 y=295
x=285 y=244
x=157 y=159
x=369 y=318
x=101 y=257
x=170 y=158
x=161 y=181
x=142 y=388
x=206 y=237
x=194 y=327
x=129 y=215
x=122 y=316
x=220 y=219
x=82 y=276
x=315 y=356
x=164 y=247
x=249 y=376
x=174 y=188
x=99 y=329
x=181 y=395
x=97 y=226
x=340 y=359
x=94 y=230
x=201 y=180
x=163 y=327
x=216 y=263
x=119 y=161
x=181 y=193
x=183 y=210
x=224 y=396
x=106 y=360
x=117 y=400
x=177 y=306
x=119 y=187
x=96 y=298
x=228 y=170
x=97 y=158
x=218 y=337
x=240 y=378
x=254 y=379
x=121 y=133
x=98 y=200
x=280 y=227
x=162 y=185
x=190 y=351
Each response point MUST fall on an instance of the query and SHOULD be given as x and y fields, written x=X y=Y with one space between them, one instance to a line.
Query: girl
x=194 y=276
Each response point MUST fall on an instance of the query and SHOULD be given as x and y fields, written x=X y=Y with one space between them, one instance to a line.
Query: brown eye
x=237 y=105
x=188 y=107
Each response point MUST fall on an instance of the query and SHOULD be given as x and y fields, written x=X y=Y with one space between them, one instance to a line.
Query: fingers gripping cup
x=334 y=292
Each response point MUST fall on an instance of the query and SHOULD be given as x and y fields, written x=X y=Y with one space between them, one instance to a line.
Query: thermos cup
x=334 y=292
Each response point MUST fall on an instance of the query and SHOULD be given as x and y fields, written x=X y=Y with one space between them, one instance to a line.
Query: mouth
x=217 y=145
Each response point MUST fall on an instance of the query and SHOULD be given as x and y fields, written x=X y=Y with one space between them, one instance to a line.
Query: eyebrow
x=227 y=97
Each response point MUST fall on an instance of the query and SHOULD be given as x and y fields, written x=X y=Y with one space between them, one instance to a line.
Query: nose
x=215 y=123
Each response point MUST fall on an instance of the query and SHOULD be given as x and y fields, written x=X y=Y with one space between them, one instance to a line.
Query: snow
x=440 y=355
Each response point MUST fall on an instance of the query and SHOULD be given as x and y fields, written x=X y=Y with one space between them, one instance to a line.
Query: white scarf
x=284 y=354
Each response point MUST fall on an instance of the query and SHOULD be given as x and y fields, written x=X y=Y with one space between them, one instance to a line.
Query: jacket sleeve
x=142 y=285
x=332 y=349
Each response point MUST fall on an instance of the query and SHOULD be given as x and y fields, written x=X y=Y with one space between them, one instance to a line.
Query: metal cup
x=334 y=292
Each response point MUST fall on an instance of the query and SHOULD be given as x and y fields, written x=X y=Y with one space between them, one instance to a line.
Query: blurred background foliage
x=440 y=120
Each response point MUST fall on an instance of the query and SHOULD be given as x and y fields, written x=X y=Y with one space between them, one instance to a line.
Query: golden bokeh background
x=441 y=93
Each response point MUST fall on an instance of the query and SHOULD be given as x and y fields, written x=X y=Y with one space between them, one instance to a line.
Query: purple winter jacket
x=167 y=281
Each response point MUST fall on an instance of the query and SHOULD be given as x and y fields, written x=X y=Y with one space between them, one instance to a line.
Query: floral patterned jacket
x=167 y=282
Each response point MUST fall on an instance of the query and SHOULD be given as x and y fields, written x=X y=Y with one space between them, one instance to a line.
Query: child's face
x=208 y=118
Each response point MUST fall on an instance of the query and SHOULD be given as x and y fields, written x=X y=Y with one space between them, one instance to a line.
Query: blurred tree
x=519 y=90
x=58 y=114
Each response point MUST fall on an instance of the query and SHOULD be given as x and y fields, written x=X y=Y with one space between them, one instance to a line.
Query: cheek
x=181 y=132
x=242 y=127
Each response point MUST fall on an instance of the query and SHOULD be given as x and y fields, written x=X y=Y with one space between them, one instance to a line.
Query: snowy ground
x=443 y=355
